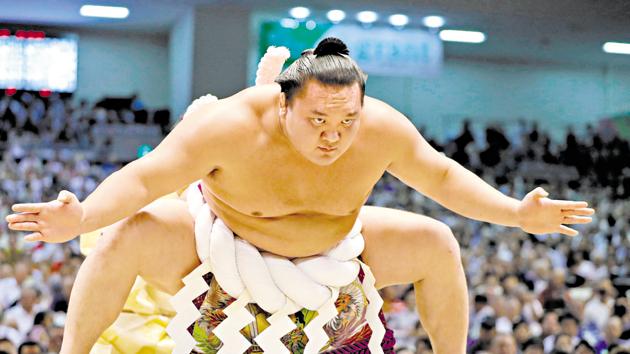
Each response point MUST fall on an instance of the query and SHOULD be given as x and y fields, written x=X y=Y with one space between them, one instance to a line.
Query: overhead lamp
x=433 y=21
x=398 y=20
x=104 y=11
x=367 y=17
x=462 y=36
x=289 y=23
x=616 y=48
x=336 y=16
x=299 y=12
x=310 y=25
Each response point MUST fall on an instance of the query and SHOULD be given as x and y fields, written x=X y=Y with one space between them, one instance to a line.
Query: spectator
x=7 y=346
x=9 y=332
x=23 y=314
x=30 y=348
x=533 y=346
x=612 y=334
x=584 y=348
x=563 y=344
x=486 y=334
x=480 y=311
x=503 y=344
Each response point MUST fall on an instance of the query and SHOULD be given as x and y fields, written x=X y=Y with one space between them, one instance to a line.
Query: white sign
x=392 y=52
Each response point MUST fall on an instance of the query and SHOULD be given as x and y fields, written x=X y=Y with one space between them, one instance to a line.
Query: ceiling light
x=616 y=48
x=299 y=12
x=289 y=23
x=433 y=21
x=104 y=11
x=398 y=20
x=336 y=16
x=462 y=36
x=367 y=16
x=310 y=25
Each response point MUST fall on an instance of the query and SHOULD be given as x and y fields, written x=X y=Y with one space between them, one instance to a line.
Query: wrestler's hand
x=538 y=214
x=56 y=221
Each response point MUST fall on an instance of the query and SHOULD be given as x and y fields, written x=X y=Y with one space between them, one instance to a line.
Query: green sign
x=272 y=33
x=143 y=150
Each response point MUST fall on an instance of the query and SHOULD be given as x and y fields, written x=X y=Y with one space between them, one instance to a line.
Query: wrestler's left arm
x=442 y=179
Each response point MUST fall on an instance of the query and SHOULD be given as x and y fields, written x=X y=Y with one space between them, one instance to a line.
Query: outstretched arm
x=188 y=153
x=444 y=180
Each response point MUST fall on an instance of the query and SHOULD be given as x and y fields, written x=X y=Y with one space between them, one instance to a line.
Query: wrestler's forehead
x=321 y=97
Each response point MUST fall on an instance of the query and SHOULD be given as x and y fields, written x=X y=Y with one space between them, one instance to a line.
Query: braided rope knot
x=272 y=280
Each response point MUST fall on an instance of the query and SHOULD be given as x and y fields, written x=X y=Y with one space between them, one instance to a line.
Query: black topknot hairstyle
x=331 y=46
x=329 y=63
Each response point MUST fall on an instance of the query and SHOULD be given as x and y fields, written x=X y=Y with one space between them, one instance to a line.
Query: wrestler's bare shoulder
x=386 y=128
x=222 y=124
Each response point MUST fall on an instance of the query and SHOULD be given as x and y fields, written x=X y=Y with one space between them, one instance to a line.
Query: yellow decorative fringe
x=141 y=327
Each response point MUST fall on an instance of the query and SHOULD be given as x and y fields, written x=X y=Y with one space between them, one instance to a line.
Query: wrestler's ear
x=283 y=104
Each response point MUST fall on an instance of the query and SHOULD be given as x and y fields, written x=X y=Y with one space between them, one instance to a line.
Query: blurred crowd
x=528 y=294
x=531 y=293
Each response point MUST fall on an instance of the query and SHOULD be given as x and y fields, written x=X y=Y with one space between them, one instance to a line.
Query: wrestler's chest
x=280 y=190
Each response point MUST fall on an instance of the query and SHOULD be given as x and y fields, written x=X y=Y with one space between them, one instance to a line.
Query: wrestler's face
x=321 y=120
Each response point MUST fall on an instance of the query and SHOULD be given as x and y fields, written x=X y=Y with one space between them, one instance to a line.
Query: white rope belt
x=278 y=285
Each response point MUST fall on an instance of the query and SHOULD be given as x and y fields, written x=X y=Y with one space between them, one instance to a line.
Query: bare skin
x=265 y=174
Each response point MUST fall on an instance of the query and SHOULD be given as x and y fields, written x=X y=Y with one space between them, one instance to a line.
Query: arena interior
x=523 y=93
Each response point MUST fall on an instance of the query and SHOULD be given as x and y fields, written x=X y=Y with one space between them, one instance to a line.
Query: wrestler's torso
x=276 y=199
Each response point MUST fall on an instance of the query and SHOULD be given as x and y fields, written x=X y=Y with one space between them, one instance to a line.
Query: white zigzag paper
x=186 y=312
x=279 y=325
x=317 y=337
x=375 y=302
x=228 y=331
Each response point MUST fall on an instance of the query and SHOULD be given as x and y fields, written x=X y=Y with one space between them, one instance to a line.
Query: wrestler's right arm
x=188 y=153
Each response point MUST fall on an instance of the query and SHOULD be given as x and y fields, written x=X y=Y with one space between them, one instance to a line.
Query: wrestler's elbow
x=136 y=178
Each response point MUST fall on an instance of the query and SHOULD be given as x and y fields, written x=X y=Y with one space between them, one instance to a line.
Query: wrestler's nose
x=330 y=137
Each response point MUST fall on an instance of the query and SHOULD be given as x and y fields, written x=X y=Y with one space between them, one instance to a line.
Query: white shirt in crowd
x=597 y=312
x=22 y=318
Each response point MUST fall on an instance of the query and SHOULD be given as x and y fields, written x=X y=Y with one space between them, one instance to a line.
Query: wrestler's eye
x=318 y=121
x=347 y=122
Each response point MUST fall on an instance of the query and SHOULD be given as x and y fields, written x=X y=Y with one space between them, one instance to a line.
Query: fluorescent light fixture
x=104 y=11
x=398 y=20
x=336 y=16
x=617 y=48
x=462 y=36
x=310 y=25
x=367 y=16
x=299 y=12
x=289 y=23
x=433 y=21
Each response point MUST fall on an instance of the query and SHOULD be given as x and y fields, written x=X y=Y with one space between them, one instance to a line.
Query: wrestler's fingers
x=35 y=236
x=24 y=226
x=565 y=204
x=13 y=218
x=581 y=211
x=567 y=231
x=28 y=207
x=576 y=220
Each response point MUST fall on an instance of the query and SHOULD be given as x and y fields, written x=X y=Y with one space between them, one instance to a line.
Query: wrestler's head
x=321 y=101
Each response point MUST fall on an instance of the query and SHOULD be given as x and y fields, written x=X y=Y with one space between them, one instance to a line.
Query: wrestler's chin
x=320 y=162
x=324 y=159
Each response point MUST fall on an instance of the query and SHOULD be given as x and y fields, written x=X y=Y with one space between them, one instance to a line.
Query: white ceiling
x=563 y=31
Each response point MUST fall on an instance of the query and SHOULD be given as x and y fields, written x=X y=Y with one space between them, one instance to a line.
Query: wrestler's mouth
x=326 y=149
